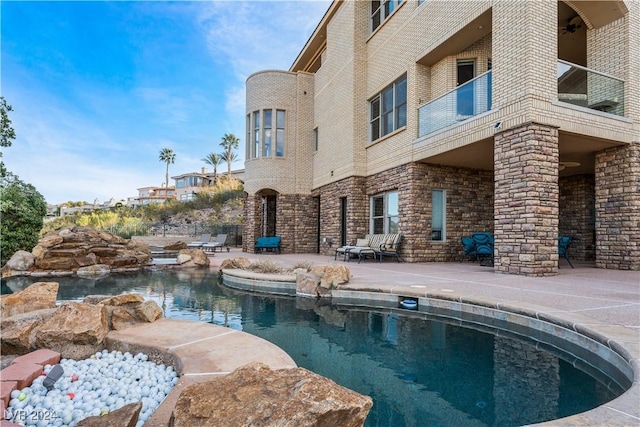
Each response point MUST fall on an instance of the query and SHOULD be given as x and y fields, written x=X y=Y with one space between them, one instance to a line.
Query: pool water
x=433 y=372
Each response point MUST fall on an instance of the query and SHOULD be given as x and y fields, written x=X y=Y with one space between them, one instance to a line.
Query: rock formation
x=256 y=395
x=79 y=250
x=31 y=320
x=192 y=258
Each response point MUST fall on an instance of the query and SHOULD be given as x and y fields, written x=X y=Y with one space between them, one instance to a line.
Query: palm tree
x=214 y=160
x=229 y=142
x=168 y=156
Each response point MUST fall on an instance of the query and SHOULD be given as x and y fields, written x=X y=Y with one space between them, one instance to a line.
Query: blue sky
x=99 y=88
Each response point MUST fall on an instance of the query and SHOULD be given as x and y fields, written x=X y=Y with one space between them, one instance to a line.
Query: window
x=266 y=146
x=384 y=213
x=438 y=215
x=260 y=136
x=315 y=139
x=256 y=133
x=248 y=144
x=388 y=110
x=280 y=116
x=380 y=10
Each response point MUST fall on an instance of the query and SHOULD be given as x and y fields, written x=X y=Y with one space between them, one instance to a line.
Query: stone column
x=526 y=200
x=618 y=208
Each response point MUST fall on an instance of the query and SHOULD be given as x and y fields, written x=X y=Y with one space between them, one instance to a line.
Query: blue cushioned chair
x=469 y=248
x=563 y=248
x=483 y=242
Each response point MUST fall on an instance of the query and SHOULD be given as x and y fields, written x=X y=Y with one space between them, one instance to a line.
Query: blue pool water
x=433 y=372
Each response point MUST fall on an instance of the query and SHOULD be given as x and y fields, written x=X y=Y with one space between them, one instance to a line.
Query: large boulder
x=241 y=263
x=192 y=258
x=19 y=331
x=332 y=275
x=76 y=330
x=175 y=246
x=308 y=285
x=35 y=297
x=127 y=416
x=21 y=261
x=256 y=395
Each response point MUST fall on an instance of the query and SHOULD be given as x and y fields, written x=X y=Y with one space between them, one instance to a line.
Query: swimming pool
x=419 y=371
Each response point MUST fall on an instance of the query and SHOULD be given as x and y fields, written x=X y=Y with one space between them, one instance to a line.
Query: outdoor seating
x=220 y=241
x=484 y=244
x=563 y=248
x=469 y=248
x=204 y=239
x=374 y=246
x=271 y=243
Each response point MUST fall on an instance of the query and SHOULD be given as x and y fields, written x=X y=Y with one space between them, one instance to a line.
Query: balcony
x=587 y=88
x=462 y=103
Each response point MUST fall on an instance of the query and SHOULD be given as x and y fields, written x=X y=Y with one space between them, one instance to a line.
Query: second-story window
x=262 y=139
x=388 y=109
x=380 y=10
x=280 y=116
x=266 y=148
x=256 y=133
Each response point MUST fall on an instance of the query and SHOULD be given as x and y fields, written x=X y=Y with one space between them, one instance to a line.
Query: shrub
x=22 y=210
x=265 y=266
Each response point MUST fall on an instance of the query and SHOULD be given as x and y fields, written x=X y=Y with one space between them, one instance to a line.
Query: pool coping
x=602 y=338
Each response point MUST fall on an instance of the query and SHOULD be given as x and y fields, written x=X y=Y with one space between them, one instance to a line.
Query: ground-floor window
x=438 y=214
x=383 y=217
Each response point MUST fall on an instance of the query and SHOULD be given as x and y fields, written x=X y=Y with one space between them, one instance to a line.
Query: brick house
x=439 y=118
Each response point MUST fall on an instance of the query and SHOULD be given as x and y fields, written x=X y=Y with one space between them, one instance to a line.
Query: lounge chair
x=563 y=248
x=220 y=241
x=204 y=239
x=484 y=243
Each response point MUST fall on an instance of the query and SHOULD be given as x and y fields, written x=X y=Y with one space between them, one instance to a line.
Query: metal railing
x=465 y=101
x=233 y=231
x=588 y=88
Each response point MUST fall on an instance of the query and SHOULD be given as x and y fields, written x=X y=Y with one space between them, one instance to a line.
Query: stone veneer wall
x=353 y=189
x=252 y=216
x=577 y=215
x=618 y=208
x=297 y=217
x=469 y=207
x=526 y=200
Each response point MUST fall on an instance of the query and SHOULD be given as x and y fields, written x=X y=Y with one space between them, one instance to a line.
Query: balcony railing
x=587 y=88
x=462 y=103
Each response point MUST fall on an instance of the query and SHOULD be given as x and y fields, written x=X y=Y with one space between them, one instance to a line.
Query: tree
x=168 y=156
x=7 y=134
x=213 y=160
x=22 y=212
x=229 y=142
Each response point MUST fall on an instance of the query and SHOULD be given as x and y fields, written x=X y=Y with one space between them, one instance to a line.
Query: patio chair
x=221 y=239
x=563 y=248
x=484 y=242
x=469 y=248
x=205 y=238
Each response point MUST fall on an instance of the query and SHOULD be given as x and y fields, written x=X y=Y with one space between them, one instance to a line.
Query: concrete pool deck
x=606 y=302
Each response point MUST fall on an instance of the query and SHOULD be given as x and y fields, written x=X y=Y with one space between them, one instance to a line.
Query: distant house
x=188 y=184
x=63 y=209
x=149 y=195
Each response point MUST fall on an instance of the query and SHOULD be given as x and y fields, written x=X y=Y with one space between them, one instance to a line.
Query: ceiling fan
x=572 y=25
x=564 y=165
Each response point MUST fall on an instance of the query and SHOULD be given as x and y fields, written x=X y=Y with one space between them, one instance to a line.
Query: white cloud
x=254 y=36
